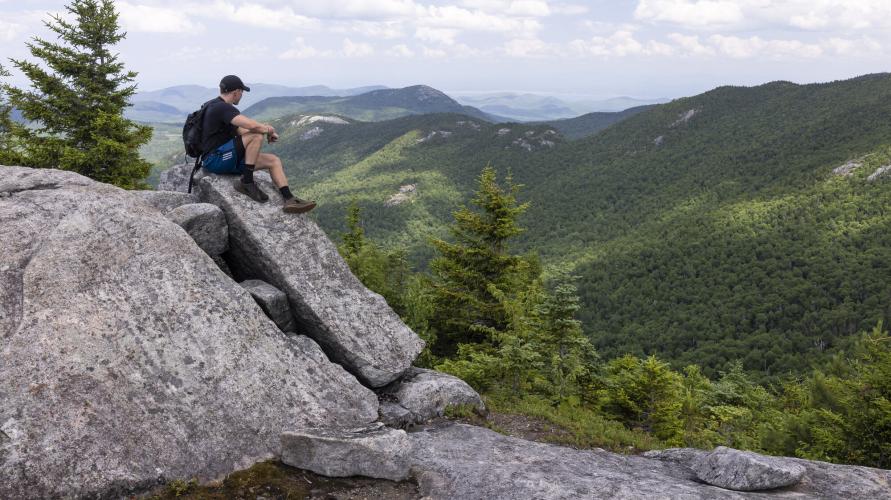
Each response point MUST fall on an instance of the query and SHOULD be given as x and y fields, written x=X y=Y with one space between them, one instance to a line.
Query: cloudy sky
x=597 y=48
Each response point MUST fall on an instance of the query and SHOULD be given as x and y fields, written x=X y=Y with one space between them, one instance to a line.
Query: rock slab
x=462 y=461
x=426 y=394
x=127 y=358
x=274 y=303
x=746 y=471
x=165 y=201
x=205 y=223
x=354 y=325
x=376 y=451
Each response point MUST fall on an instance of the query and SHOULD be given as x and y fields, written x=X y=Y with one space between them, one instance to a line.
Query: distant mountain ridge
x=172 y=104
x=528 y=107
x=591 y=123
x=377 y=105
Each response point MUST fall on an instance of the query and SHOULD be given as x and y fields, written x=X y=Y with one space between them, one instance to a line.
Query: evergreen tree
x=568 y=350
x=354 y=238
x=77 y=102
x=478 y=259
x=8 y=154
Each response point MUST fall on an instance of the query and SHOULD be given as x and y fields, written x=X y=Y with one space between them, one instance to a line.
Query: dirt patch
x=520 y=426
x=277 y=481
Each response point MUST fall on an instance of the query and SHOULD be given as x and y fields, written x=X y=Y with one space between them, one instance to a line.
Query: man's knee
x=251 y=138
x=272 y=159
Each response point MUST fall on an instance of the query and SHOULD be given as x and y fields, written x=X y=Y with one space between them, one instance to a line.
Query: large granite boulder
x=165 y=201
x=205 y=223
x=426 y=394
x=354 y=325
x=274 y=303
x=373 y=451
x=746 y=471
x=128 y=358
x=467 y=462
x=176 y=178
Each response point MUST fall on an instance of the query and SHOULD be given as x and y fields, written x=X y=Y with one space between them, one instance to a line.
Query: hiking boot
x=251 y=190
x=298 y=206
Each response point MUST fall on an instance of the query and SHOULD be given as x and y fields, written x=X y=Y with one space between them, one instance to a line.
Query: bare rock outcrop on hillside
x=128 y=358
x=467 y=462
x=354 y=325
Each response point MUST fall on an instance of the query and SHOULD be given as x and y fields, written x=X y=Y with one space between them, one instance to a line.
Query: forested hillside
x=708 y=229
x=591 y=123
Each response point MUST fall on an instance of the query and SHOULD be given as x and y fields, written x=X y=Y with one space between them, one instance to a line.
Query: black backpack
x=193 y=133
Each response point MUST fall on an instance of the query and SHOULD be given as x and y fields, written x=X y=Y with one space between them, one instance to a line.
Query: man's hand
x=272 y=137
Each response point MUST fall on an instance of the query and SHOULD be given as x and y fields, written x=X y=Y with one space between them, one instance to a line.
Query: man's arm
x=246 y=124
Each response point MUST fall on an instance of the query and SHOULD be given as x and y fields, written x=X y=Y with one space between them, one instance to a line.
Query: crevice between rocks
x=36 y=187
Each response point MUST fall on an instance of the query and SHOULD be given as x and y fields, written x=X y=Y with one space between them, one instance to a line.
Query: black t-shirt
x=218 y=128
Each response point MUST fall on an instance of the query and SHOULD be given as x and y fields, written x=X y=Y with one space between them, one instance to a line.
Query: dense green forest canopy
x=710 y=228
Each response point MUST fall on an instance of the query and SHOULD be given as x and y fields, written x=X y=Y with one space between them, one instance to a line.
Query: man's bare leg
x=252 y=143
x=271 y=162
x=246 y=185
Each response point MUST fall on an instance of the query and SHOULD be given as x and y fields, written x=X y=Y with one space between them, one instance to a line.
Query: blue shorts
x=224 y=160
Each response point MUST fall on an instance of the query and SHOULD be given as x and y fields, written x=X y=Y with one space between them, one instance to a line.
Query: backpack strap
x=194 y=169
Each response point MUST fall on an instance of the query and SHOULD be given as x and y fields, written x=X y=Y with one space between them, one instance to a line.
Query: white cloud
x=300 y=50
x=355 y=9
x=744 y=48
x=849 y=47
x=356 y=49
x=252 y=14
x=534 y=8
x=149 y=19
x=433 y=53
x=454 y=17
x=436 y=35
x=755 y=14
x=692 y=13
x=400 y=50
x=384 y=30
x=10 y=31
x=248 y=52
x=528 y=47
x=620 y=44
x=569 y=9
x=690 y=45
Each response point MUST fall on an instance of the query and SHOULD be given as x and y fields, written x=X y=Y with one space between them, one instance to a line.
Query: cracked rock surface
x=425 y=394
x=355 y=326
x=746 y=471
x=374 y=451
x=463 y=461
x=205 y=223
x=128 y=358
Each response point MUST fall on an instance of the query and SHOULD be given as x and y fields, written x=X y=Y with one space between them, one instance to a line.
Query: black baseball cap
x=232 y=82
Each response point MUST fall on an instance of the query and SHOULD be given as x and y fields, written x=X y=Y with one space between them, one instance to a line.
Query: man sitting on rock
x=233 y=141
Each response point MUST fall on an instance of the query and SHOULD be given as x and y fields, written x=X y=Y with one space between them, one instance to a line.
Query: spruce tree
x=8 y=155
x=568 y=349
x=77 y=100
x=465 y=308
x=354 y=238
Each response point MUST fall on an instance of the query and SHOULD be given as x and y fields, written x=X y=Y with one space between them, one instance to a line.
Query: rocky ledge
x=153 y=336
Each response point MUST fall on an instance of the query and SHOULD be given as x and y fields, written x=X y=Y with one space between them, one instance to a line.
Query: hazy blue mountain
x=172 y=104
x=377 y=105
x=539 y=107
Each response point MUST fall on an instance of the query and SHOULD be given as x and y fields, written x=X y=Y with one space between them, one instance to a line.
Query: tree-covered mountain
x=708 y=229
x=591 y=123
x=376 y=105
